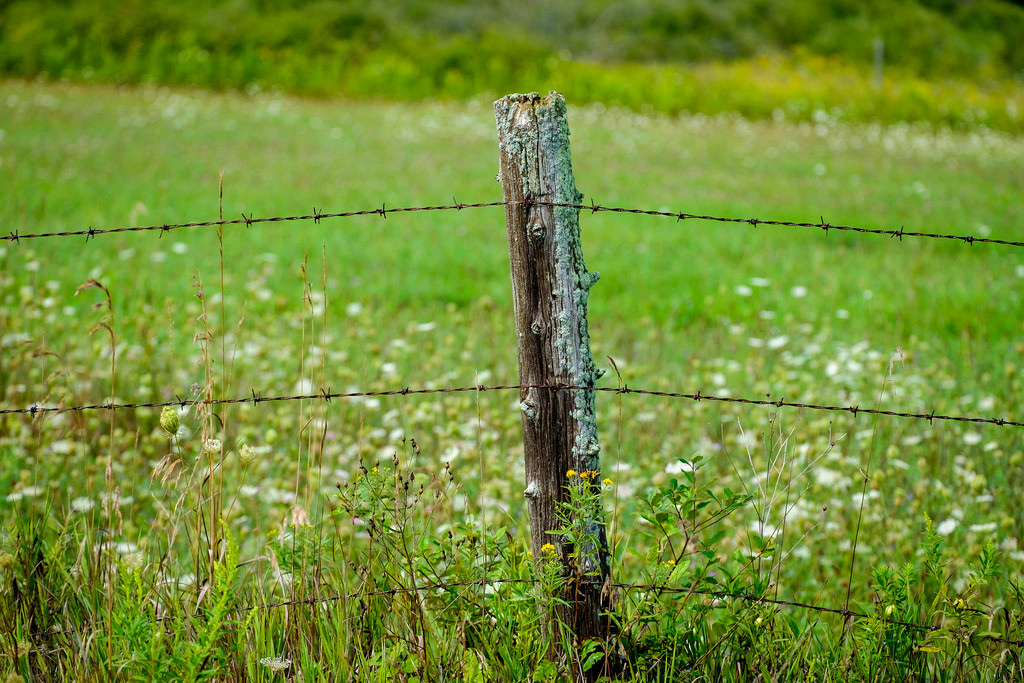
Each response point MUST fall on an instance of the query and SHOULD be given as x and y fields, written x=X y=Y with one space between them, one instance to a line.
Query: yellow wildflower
x=570 y=474
x=548 y=549
x=607 y=481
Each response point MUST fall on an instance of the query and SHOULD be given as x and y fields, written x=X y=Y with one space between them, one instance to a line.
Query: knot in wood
x=535 y=229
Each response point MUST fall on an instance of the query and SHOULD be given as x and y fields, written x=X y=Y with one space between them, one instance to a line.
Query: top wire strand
x=383 y=212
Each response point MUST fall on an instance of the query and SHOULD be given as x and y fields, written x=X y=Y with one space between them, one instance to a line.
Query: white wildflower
x=276 y=663
x=972 y=438
x=246 y=455
x=827 y=477
x=859 y=498
x=678 y=467
x=133 y=561
x=62 y=447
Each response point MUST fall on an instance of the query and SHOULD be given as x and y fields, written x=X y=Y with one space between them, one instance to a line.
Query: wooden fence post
x=551 y=284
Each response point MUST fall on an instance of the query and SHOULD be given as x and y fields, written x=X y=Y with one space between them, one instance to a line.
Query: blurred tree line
x=932 y=38
x=632 y=52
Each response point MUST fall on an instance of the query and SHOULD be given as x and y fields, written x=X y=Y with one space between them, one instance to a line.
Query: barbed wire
x=651 y=587
x=256 y=398
x=248 y=221
x=754 y=222
x=383 y=211
x=661 y=588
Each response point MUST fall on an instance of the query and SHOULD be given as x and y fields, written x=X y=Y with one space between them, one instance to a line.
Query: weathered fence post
x=551 y=284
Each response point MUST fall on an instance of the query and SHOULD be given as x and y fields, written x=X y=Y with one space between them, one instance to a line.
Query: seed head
x=246 y=455
x=169 y=420
x=134 y=561
x=6 y=560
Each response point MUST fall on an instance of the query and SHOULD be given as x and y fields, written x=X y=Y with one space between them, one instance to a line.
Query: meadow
x=134 y=542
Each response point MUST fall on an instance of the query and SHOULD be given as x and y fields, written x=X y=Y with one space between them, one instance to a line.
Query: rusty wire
x=247 y=221
x=383 y=212
x=658 y=588
x=754 y=222
x=327 y=395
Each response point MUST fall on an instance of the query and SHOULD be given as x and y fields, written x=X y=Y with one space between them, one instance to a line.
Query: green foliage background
x=953 y=61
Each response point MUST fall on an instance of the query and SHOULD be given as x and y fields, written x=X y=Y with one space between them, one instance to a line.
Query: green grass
x=423 y=299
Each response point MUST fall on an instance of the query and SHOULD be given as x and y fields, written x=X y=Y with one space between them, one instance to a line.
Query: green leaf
x=545 y=671
x=679 y=571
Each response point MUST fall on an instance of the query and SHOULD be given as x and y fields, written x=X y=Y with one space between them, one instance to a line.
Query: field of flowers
x=115 y=520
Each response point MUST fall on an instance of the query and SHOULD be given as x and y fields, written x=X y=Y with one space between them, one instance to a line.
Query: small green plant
x=156 y=644
x=581 y=522
x=928 y=620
